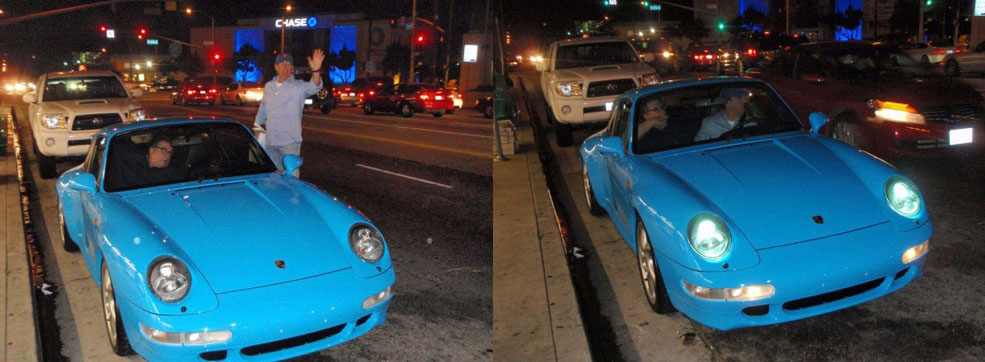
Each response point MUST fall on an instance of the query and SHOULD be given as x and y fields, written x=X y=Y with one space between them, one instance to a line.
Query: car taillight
x=372 y=93
x=697 y=57
x=423 y=97
x=191 y=92
x=959 y=50
x=940 y=51
x=709 y=56
x=361 y=95
x=751 y=52
x=211 y=90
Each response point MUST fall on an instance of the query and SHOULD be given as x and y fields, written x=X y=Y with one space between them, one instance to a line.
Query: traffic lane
x=443 y=264
x=424 y=141
x=946 y=322
x=640 y=334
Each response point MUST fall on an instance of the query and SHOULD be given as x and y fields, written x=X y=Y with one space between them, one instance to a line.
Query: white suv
x=69 y=107
x=582 y=77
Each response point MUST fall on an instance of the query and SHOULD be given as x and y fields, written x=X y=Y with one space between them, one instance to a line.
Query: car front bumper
x=285 y=320
x=930 y=139
x=810 y=278
x=582 y=110
x=64 y=142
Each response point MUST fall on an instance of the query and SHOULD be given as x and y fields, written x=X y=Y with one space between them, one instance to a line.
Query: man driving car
x=714 y=126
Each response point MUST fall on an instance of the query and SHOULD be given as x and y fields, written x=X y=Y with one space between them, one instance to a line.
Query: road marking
x=402 y=127
x=402 y=175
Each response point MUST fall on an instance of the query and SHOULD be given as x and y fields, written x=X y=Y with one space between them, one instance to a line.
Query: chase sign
x=310 y=22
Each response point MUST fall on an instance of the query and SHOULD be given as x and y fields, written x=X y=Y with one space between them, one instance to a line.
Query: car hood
x=236 y=232
x=773 y=190
x=921 y=92
x=605 y=72
x=90 y=106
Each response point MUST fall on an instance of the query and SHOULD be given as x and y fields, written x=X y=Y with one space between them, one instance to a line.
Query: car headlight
x=366 y=242
x=568 y=89
x=709 y=236
x=136 y=115
x=651 y=78
x=895 y=112
x=169 y=279
x=54 y=120
x=903 y=196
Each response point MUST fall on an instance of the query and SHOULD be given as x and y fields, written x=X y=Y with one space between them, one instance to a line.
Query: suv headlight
x=708 y=236
x=568 y=89
x=651 y=78
x=903 y=196
x=169 y=279
x=136 y=115
x=366 y=242
x=54 y=120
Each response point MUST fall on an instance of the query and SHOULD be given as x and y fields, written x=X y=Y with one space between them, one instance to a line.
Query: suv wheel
x=325 y=108
x=488 y=112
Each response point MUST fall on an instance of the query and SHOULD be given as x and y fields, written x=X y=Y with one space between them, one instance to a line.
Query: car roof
x=74 y=74
x=590 y=40
x=834 y=45
x=688 y=82
x=162 y=122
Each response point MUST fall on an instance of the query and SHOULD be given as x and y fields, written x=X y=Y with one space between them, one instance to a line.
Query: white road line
x=402 y=175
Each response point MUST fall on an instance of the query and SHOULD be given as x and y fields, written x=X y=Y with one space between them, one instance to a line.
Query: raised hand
x=314 y=61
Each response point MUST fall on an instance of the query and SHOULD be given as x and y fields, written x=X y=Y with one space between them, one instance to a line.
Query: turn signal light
x=897 y=106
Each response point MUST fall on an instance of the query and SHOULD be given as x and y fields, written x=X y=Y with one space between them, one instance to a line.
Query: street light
x=188 y=11
x=283 y=17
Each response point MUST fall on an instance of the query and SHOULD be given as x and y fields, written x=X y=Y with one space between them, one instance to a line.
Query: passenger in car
x=652 y=133
x=735 y=103
x=153 y=167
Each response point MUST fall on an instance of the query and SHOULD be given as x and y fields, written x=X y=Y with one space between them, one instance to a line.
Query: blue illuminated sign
x=312 y=21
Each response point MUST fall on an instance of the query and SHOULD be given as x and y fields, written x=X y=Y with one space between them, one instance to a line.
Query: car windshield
x=697 y=115
x=248 y=85
x=592 y=54
x=65 y=89
x=195 y=152
x=865 y=63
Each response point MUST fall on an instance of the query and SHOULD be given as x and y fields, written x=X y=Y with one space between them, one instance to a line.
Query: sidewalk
x=18 y=333
x=535 y=311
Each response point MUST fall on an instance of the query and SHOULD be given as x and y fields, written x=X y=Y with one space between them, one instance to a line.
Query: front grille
x=921 y=144
x=79 y=142
x=94 y=121
x=609 y=87
x=973 y=112
x=593 y=109
x=757 y=310
x=213 y=356
x=832 y=296
x=293 y=341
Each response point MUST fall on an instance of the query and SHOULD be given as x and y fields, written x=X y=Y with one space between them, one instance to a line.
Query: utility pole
x=451 y=25
x=787 y=14
x=434 y=52
x=920 y=23
x=413 y=19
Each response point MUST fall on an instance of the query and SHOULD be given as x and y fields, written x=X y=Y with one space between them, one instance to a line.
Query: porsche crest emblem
x=279 y=263
x=818 y=219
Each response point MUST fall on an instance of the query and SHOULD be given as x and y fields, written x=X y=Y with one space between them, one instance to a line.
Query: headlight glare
x=709 y=236
x=54 y=120
x=366 y=242
x=903 y=196
x=169 y=279
x=651 y=78
x=136 y=115
x=568 y=89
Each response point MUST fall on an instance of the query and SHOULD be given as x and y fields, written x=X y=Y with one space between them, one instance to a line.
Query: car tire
x=844 y=129
x=593 y=205
x=368 y=109
x=488 y=112
x=438 y=114
x=67 y=243
x=406 y=110
x=174 y=101
x=952 y=68
x=239 y=101
x=450 y=111
x=563 y=134
x=46 y=164
x=111 y=316
x=925 y=61
x=325 y=109
x=653 y=283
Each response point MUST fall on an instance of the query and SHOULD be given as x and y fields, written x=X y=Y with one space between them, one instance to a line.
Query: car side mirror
x=812 y=77
x=291 y=163
x=30 y=98
x=612 y=145
x=541 y=66
x=82 y=182
x=137 y=92
x=649 y=57
x=817 y=120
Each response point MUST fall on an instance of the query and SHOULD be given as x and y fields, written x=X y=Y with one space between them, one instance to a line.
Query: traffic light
x=420 y=38
x=930 y=2
x=102 y=28
x=216 y=56
x=721 y=25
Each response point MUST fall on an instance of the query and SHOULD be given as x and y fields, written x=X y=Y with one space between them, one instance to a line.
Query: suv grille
x=609 y=87
x=955 y=113
x=94 y=121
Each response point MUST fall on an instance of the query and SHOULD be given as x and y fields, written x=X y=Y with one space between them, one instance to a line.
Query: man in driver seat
x=714 y=126
x=154 y=167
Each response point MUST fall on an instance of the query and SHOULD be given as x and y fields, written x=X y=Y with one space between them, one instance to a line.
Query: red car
x=702 y=56
x=407 y=99
x=872 y=105
x=200 y=90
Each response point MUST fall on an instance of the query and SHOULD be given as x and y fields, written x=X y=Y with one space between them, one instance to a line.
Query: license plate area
x=309 y=101
x=960 y=136
x=608 y=106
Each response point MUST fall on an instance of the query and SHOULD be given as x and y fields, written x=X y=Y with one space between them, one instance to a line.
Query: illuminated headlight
x=903 y=196
x=258 y=95
x=709 y=236
x=54 y=120
x=378 y=298
x=895 y=112
x=915 y=252
x=136 y=115
x=20 y=87
x=651 y=78
x=568 y=89
x=667 y=54
x=750 y=292
x=366 y=242
x=8 y=87
x=725 y=55
x=169 y=279
x=186 y=338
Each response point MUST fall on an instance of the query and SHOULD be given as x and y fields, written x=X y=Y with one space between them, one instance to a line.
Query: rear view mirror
x=611 y=145
x=541 y=66
x=29 y=98
x=817 y=120
x=83 y=182
x=291 y=163
x=137 y=92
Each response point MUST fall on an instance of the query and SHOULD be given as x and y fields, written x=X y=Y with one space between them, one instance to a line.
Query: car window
x=76 y=88
x=781 y=65
x=234 y=86
x=808 y=64
x=622 y=112
x=592 y=54
x=96 y=160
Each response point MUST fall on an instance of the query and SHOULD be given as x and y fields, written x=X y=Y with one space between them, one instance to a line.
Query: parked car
x=69 y=107
x=960 y=63
x=929 y=53
x=192 y=91
x=241 y=93
x=485 y=106
x=875 y=106
x=769 y=222
x=581 y=77
x=406 y=99
x=182 y=278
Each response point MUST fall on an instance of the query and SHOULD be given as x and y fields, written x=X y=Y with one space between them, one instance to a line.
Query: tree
x=340 y=64
x=906 y=17
x=805 y=14
x=750 y=20
x=190 y=64
x=396 y=60
x=693 y=28
x=244 y=63
x=851 y=23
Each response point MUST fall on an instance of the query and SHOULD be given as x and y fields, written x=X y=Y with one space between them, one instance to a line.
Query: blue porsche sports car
x=203 y=251
x=742 y=216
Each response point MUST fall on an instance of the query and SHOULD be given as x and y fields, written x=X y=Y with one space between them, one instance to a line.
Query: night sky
x=52 y=39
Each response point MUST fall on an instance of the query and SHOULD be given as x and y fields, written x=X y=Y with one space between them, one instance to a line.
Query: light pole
x=283 y=17
x=188 y=11
x=413 y=19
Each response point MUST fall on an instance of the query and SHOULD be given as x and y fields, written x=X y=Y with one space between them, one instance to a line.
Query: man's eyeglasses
x=163 y=149
x=658 y=109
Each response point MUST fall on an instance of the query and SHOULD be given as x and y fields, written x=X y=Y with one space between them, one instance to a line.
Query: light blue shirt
x=281 y=109
x=714 y=126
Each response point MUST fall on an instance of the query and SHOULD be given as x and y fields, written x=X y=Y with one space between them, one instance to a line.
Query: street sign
x=409 y=26
x=979 y=7
x=151 y=41
x=174 y=49
x=110 y=33
x=471 y=53
x=654 y=7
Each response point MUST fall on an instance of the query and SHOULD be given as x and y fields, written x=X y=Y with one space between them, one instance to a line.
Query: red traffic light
x=215 y=56
x=420 y=39
x=143 y=31
x=102 y=28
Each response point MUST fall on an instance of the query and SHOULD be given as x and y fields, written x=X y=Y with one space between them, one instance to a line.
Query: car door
x=617 y=164
x=974 y=62
x=231 y=92
x=90 y=211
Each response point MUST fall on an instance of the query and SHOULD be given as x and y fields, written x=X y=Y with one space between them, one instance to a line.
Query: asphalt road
x=940 y=316
x=425 y=182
